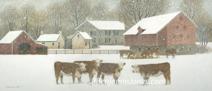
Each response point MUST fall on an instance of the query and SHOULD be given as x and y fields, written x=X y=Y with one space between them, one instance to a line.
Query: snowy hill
x=35 y=73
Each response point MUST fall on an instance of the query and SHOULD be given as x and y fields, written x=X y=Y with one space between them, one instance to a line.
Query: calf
x=73 y=69
x=171 y=51
x=110 y=69
x=91 y=67
x=124 y=53
x=153 y=70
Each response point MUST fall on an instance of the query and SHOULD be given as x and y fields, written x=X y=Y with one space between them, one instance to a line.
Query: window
x=78 y=36
x=91 y=33
x=86 y=43
x=58 y=44
x=52 y=43
x=109 y=32
x=115 y=41
x=139 y=49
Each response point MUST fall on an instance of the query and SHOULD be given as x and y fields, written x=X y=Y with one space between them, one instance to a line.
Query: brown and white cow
x=91 y=67
x=148 y=70
x=171 y=51
x=65 y=68
x=113 y=69
x=124 y=53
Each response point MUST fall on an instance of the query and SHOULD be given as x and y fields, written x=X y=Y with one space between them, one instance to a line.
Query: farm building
x=52 y=41
x=164 y=31
x=81 y=40
x=19 y=42
x=104 y=32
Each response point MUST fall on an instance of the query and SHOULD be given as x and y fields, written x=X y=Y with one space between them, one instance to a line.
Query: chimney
x=140 y=30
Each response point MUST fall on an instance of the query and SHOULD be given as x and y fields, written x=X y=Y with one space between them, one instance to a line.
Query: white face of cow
x=98 y=62
x=121 y=65
x=135 y=69
x=82 y=66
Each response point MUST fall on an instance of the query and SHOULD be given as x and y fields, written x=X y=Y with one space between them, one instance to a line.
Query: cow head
x=82 y=66
x=121 y=65
x=97 y=62
x=135 y=68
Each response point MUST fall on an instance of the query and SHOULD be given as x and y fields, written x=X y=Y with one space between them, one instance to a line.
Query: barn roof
x=152 y=25
x=11 y=36
x=85 y=35
x=48 y=37
x=105 y=25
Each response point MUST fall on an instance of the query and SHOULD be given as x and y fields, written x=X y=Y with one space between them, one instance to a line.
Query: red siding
x=180 y=31
x=23 y=38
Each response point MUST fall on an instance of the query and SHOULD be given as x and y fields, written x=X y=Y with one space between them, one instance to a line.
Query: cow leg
x=167 y=77
x=61 y=78
x=103 y=77
x=98 y=76
x=173 y=55
x=146 y=79
x=116 y=79
x=79 y=79
x=73 y=78
x=167 y=55
x=57 y=78
x=91 y=77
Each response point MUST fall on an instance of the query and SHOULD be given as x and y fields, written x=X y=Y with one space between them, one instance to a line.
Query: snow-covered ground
x=36 y=73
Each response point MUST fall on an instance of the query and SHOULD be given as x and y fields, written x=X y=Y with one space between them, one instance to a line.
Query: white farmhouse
x=81 y=40
x=103 y=32
x=52 y=41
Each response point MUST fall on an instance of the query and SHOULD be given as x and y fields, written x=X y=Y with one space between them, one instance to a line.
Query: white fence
x=81 y=51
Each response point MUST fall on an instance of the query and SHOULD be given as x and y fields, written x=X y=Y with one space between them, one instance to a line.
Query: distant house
x=19 y=42
x=81 y=40
x=168 y=30
x=52 y=41
x=104 y=32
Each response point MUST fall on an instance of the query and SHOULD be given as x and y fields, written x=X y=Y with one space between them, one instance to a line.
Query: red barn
x=19 y=42
x=169 y=30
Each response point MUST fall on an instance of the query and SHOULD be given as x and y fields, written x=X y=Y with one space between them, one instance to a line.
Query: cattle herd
x=148 y=53
x=99 y=68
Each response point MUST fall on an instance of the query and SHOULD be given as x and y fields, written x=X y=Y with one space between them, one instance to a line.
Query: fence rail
x=81 y=51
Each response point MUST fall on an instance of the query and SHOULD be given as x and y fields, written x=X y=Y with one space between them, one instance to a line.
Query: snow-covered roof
x=85 y=35
x=11 y=36
x=152 y=25
x=112 y=47
x=48 y=37
x=107 y=25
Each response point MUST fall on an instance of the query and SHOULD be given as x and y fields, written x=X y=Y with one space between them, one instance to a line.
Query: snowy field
x=36 y=73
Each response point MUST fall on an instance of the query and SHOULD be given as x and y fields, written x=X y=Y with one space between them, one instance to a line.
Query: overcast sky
x=41 y=4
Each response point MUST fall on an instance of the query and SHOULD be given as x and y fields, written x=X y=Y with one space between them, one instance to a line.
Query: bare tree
x=194 y=9
x=131 y=11
x=55 y=15
x=99 y=11
x=78 y=11
x=9 y=17
x=39 y=23
x=27 y=12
